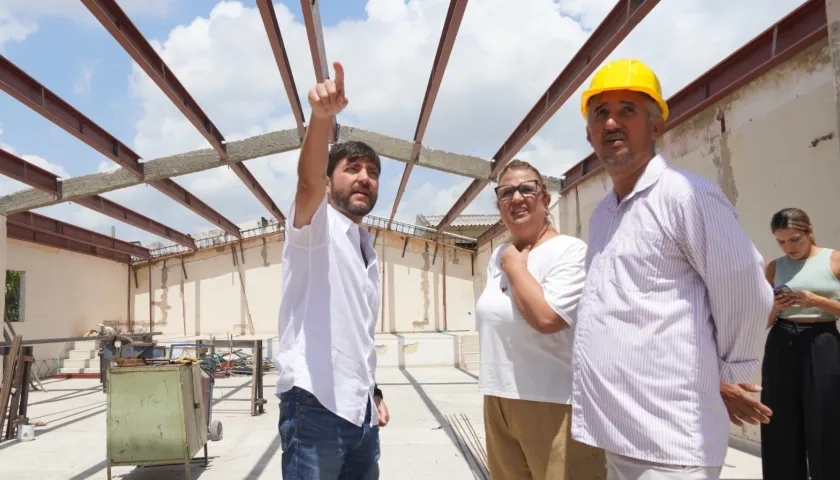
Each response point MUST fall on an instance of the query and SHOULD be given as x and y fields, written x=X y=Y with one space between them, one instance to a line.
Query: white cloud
x=13 y=29
x=506 y=54
x=81 y=84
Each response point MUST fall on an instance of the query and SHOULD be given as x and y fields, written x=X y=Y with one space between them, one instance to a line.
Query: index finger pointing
x=339 y=76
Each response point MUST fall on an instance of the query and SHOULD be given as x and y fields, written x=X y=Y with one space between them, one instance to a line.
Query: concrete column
x=832 y=11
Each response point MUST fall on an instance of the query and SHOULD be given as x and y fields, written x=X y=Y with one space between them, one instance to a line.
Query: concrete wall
x=210 y=293
x=65 y=294
x=770 y=145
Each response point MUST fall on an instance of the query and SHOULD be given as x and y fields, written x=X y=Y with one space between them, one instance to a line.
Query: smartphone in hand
x=782 y=290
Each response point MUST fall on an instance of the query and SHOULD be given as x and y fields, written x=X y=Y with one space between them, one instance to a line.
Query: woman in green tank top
x=801 y=368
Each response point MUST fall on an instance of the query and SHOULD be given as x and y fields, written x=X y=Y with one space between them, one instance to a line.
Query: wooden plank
x=8 y=377
x=18 y=386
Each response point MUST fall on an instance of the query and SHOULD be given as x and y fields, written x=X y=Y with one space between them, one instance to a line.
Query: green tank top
x=814 y=275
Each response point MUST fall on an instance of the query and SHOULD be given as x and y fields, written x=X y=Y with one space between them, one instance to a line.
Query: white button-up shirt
x=675 y=301
x=328 y=313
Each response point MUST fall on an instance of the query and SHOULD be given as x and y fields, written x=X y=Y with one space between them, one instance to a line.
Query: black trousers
x=801 y=384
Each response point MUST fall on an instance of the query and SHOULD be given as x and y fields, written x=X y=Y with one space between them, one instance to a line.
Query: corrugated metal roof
x=474 y=220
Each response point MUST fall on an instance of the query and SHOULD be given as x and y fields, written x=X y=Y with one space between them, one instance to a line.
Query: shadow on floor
x=262 y=462
x=479 y=470
x=41 y=432
x=74 y=393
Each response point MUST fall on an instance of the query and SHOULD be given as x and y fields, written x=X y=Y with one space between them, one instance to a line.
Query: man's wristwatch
x=377 y=392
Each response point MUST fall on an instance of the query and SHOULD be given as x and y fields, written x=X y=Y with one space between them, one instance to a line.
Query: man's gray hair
x=653 y=109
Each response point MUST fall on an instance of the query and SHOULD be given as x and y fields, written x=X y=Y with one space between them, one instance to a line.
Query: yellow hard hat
x=626 y=74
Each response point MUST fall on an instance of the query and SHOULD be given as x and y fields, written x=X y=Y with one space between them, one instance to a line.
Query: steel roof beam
x=39 y=98
x=275 y=38
x=28 y=234
x=315 y=34
x=116 y=211
x=120 y=26
x=451 y=24
x=56 y=227
x=788 y=37
x=28 y=91
x=19 y=169
x=621 y=20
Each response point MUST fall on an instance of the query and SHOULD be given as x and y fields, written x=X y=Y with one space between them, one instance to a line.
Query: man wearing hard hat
x=675 y=300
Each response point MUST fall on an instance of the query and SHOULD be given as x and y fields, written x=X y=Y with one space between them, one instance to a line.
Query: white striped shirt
x=674 y=302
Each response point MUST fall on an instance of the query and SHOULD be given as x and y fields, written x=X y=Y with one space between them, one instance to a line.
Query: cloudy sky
x=506 y=54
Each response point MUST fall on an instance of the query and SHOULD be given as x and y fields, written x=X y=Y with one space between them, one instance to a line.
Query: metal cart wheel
x=216 y=430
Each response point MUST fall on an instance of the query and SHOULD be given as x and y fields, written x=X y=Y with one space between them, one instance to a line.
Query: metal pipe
x=45 y=341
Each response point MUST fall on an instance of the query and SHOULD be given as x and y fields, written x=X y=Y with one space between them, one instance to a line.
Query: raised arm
x=326 y=100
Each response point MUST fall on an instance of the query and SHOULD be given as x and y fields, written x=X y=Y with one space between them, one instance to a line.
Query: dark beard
x=342 y=203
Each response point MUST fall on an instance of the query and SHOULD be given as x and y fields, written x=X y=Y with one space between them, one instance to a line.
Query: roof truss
x=790 y=35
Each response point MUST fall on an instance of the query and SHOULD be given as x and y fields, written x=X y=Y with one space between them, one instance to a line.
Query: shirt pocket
x=637 y=261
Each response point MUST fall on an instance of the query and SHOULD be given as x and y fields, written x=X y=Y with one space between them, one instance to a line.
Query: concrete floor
x=414 y=445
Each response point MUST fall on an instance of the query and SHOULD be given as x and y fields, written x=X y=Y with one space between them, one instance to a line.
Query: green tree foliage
x=13 y=286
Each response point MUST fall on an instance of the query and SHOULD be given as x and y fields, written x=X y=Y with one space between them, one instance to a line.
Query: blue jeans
x=319 y=445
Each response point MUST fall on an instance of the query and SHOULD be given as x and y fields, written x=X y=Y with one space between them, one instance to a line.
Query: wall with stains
x=231 y=288
x=65 y=294
x=772 y=144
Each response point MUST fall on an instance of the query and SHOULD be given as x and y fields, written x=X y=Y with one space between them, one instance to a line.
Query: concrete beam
x=157 y=169
x=399 y=149
x=455 y=163
x=240 y=151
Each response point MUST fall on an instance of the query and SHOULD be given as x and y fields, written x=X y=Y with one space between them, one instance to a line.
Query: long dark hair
x=793 y=218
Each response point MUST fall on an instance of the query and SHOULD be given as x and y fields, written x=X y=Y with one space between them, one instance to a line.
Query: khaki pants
x=532 y=441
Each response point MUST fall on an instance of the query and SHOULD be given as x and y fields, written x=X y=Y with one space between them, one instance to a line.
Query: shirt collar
x=348 y=225
x=653 y=170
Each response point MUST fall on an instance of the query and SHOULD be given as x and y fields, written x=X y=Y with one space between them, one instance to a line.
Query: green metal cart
x=158 y=415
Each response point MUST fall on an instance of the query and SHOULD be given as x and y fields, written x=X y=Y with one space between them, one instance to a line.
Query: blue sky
x=506 y=54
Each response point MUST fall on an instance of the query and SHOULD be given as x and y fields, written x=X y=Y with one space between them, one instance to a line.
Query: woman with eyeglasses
x=525 y=317
x=801 y=368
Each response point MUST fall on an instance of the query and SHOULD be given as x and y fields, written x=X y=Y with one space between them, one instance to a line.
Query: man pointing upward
x=330 y=408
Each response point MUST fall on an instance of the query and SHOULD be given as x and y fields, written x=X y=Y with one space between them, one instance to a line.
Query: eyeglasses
x=528 y=189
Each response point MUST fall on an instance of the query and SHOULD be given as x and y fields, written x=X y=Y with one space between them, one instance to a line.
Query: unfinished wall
x=65 y=294
x=770 y=145
x=203 y=293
